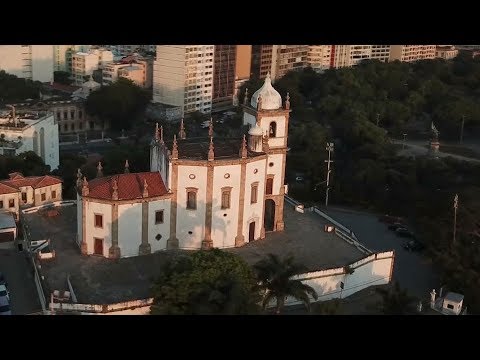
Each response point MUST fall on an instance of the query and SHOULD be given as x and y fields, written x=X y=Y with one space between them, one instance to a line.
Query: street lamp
x=329 y=148
x=404 y=140
x=455 y=207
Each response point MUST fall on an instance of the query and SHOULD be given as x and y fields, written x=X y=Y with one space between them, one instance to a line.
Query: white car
x=4 y=292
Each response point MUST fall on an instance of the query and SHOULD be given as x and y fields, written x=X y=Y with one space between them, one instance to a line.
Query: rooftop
x=197 y=148
x=454 y=297
x=6 y=220
x=130 y=186
x=17 y=180
x=96 y=280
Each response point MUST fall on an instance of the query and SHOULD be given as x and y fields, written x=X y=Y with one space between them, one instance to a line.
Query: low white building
x=200 y=193
x=30 y=131
x=20 y=191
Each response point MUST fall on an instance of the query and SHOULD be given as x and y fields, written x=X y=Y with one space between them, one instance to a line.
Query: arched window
x=192 y=198
x=273 y=129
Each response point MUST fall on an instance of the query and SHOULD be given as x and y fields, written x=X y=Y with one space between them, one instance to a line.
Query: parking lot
x=19 y=275
x=412 y=270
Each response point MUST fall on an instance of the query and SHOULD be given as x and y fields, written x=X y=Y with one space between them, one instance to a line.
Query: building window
x=159 y=217
x=65 y=127
x=1 y=204
x=269 y=187
x=192 y=198
x=11 y=203
x=80 y=114
x=226 y=193
x=98 y=221
x=54 y=194
x=65 y=115
x=43 y=196
x=254 y=193
x=72 y=114
x=24 y=197
x=450 y=306
x=273 y=129
x=59 y=115
x=72 y=126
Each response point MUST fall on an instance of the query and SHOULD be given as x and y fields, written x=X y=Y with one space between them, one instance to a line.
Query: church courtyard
x=99 y=280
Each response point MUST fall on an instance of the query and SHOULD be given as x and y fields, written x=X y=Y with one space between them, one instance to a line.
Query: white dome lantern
x=271 y=99
x=255 y=131
x=255 y=138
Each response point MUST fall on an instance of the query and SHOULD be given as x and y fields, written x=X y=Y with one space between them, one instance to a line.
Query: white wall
x=159 y=162
x=6 y=198
x=224 y=228
x=162 y=229
x=367 y=272
x=169 y=75
x=29 y=191
x=79 y=219
x=129 y=228
x=254 y=211
x=47 y=190
x=105 y=233
x=191 y=220
x=280 y=138
x=276 y=169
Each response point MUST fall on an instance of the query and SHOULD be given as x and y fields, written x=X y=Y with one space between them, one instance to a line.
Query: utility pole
x=404 y=140
x=461 y=129
x=455 y=207
x=329 y=148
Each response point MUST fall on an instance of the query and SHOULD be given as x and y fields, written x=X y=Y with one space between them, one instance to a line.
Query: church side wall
x=191 y=223
x=155 y=229
x=225 y=221
x=255 y=172
x=276 y=169
x=104 y=232
x=129 y=228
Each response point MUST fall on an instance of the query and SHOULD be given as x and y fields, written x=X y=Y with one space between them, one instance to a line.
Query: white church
x=199 y=193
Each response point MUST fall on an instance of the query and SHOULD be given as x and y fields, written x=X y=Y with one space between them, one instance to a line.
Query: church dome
x=255 y=131
x=271 y=99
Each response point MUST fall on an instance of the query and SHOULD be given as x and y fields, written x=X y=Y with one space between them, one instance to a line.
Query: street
x=413 y=271
x=19 y=275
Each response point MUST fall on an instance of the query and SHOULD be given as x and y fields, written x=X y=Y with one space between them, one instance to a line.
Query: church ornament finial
x=79 y=179
x=287 y=101
x=99 y=170
x=115 y=190
x=145 y=188
x=245 y=99
x=127 y=167
x=157 y=133
x=182 y=134
x=210 y=128
x=243 y=149
x=211 y=153
x=85 y=189
x=175 y=148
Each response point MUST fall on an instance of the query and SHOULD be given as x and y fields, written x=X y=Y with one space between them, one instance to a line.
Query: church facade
x=199 y=193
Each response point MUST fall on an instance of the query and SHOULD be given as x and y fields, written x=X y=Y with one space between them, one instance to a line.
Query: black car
x=404 y=232
x=395 y=226
x=413 y=245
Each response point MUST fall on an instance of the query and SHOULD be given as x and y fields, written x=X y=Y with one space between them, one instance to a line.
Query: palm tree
x=275 y=277
x=395 y=300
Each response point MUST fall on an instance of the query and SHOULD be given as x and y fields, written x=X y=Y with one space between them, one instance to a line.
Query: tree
x=28 y=163
x=14 y=89
x=62 y=77
x=275 y=276
x=121 y=103
x=206 y=283
x=395 y=300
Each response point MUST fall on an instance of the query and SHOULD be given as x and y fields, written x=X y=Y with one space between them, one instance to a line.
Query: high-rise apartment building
x=380 y=52
x=183 y=77
x=349 y=55
x=280 y=59
x=62 y=58
x=409 y=53
x=33 y=62
x=84 y=64
x=223 y=76
x=125 y=50
x=319 y=57
x=446 y=52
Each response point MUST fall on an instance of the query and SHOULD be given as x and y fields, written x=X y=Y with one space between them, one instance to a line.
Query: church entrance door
x=251 y=231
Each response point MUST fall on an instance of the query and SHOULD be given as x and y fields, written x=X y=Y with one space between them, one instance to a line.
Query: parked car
x=404 y=232
x=5 y=306
x=395 y=226
x=388 y=219
x=4 y=292
x=3 y=281
x=413 y=245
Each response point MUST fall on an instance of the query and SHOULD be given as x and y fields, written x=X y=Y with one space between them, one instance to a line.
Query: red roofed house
x=31 y=190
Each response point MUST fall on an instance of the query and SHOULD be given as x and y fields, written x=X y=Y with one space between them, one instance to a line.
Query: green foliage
x=14 y=89
x=275 y=276
x=62 y=77
x=395 y=300
x=28 y=163
x=121 y=103
x=210 y=282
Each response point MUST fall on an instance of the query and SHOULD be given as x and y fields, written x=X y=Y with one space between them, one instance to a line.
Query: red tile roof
x=130 y=186
x=15 y=175
x=5 y=189
x=17 y=180
x=62 y=87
